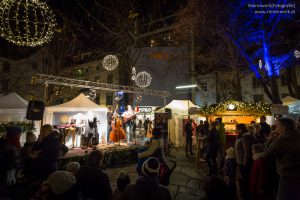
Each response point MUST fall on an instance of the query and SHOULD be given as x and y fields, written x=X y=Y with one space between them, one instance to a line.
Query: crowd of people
x=263 y=163
x=36 y=165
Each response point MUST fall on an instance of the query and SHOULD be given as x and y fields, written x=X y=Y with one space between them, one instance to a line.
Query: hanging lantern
x=26 y=22
x=260 y=64
x=110 y=62
x=143 y=79
x=139 y=98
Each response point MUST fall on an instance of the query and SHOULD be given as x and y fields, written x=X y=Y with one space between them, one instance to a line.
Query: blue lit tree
x=257 y=34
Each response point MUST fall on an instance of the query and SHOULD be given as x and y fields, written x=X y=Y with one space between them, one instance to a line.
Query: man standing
x=265 y=128
x=128 y=119
x=146 y=123
x=221 y=141
x=188 y=138
x=285 y=149
x=109 y=121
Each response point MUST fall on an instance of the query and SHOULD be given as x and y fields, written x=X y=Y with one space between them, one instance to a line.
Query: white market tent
x=60 y=114
x=13 y=109
x=288 y=100
x=175 y=125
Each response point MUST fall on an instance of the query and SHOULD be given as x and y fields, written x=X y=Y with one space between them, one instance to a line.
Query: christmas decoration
x=260 y=64
x=133 y=72
x=93 y=93
x=110 y=62
x=259 y=108
x=26 y=22
x=143 y=79
x=297 y=54
x=139 y=98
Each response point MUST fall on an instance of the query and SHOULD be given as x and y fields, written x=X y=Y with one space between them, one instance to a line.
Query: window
x=97 y=99
x=79 y=72
x=6 y=67
x=109 y=99
x=5 y=84
x=97 y=79
x=97 y=67
x=255 y=82
x=110 y=79
x=203 y=86
x=87 y=70
x=283 y=80
x=258 y=98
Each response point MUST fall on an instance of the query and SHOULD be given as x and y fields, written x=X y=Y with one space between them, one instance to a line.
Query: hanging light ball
x=297 y=54
x=26 y=22
x=133 y=71
x=110 y=62
x=143 y=79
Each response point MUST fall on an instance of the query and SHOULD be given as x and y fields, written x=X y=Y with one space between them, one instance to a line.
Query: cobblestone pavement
x=185 y=181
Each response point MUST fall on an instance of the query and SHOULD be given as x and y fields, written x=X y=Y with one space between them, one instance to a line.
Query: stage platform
x=114 y=155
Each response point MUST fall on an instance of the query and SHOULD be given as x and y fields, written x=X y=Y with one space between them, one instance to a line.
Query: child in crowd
x=73 y=167
x=122 y=181
x=258 y=175
x=26 y=151
x=142 y=160
x=230 y=169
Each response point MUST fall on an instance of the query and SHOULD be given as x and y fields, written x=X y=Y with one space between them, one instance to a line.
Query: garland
x=259 y=108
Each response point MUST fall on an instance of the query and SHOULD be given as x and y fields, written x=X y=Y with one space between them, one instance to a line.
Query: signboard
x=279 y=109
x=145 y=109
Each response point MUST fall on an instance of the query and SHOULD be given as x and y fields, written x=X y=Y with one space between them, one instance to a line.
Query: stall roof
x=13 y=101
x=79 y=103
x=288 y=100
x=179 y=107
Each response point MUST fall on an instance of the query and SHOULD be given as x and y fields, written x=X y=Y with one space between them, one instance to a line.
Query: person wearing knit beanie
x=150 y=167
x=72 y=167
x=61 y=181
x=123 y=180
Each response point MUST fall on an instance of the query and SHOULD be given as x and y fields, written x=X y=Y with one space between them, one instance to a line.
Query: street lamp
x=187 y=87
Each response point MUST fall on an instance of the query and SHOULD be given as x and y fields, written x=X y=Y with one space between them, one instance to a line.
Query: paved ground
x=185 y=182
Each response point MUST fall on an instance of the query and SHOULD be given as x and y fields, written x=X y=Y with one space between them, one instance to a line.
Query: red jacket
x=258 y=175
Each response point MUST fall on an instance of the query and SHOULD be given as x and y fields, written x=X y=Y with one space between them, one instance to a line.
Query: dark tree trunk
x=236 y=83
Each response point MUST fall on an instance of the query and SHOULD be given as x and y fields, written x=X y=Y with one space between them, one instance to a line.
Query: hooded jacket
x=286 y=150
x=146 y=188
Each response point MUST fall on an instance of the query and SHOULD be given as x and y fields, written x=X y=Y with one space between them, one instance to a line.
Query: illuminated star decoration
x=110 y=62
x=133 y=72
x=26 y=22
x=93 y=93
x=143 y=79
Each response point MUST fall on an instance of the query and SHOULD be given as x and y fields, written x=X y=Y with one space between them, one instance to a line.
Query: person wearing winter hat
x=147 y=186
x=72 y=167
x=122 y=181
x=59 y=185
x=229 y=169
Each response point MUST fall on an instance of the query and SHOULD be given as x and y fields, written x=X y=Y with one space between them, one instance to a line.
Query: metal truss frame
x=56 y=80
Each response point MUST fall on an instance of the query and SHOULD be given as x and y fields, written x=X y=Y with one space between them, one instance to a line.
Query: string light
x=260 y=108
x=133 y=72
x=110 y=62
x=26 y=22
x=143 y=79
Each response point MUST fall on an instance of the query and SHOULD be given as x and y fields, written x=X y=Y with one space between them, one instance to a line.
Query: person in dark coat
x=265 y=128
x=147 y=186
x=122 y=181
x=93 y=182
x=212 y=149
x=45 y=153
x=9 y=155
x=286 y=150
x=229 y=170
x=188 y=138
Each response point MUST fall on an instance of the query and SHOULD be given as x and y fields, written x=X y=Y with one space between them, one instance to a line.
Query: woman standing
x=243 y=158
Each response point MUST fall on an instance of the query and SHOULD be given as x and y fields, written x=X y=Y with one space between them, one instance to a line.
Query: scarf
x=258 y=155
